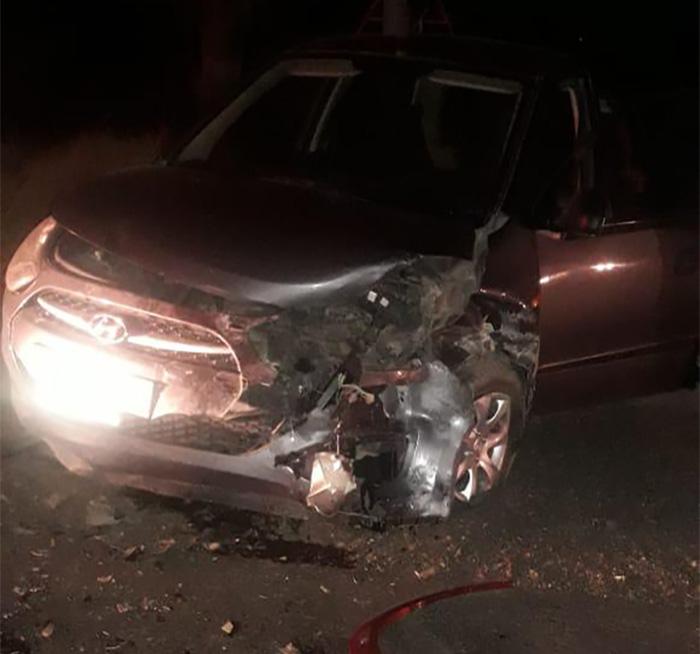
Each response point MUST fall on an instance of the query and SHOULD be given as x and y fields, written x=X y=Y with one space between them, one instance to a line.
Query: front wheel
x=487 y=450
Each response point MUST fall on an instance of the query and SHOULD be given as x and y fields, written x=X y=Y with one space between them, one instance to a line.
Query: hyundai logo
x=108 y=330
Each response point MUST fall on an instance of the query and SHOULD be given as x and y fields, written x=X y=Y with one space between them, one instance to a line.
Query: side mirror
x=585 y=216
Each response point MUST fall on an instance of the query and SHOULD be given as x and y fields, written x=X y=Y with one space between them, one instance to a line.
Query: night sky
x=130 y=65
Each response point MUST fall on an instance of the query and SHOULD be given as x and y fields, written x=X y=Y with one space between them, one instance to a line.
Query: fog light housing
x=23 y=268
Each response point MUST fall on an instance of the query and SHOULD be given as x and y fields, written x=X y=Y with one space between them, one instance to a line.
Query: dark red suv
x=344 y=289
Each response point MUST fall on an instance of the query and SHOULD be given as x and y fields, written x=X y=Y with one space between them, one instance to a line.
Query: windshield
x=389 y=131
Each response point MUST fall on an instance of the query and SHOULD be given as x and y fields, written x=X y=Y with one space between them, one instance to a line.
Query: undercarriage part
x=331 y=483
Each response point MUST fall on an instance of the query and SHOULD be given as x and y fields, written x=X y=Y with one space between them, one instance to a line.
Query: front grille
x=231 y=437
x=146 y=333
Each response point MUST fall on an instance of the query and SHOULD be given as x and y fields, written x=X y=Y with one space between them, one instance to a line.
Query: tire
x=492 y=379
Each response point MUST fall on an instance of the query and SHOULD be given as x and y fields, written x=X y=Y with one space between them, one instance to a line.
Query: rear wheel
x=488 y=446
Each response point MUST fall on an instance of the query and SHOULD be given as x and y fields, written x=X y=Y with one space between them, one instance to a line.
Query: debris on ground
x=54 y=500
x=164 y=545
x=105 y=580
x=228 y=627
x=290 y=648
x=23 y=531
x=324 y=589
x=100 y=513
x=133 y=552
x=425 y=573
x=20 y=592
x=47 y=630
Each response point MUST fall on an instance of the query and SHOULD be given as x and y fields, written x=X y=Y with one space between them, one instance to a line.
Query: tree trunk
x=396 y=18
x=220 y=63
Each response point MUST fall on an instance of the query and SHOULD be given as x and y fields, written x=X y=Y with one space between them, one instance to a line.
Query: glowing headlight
x=24 y=265
x=83 y=383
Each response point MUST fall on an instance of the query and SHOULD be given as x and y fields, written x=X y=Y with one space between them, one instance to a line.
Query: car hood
x=271 y=240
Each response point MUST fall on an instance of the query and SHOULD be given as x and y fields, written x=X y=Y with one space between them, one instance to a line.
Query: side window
x=546 y=172
x=647 y=156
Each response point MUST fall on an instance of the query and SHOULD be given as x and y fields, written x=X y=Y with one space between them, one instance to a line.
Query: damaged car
x=342 y=290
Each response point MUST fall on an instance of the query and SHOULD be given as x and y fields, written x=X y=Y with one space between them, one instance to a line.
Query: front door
x=619 y=309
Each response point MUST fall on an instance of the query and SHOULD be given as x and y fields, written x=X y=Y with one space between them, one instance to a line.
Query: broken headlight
x=23 y=268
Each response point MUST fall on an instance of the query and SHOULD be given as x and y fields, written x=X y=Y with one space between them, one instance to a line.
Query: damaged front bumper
x=268 y=413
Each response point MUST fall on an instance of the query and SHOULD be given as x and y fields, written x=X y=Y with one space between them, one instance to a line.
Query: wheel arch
x=494 y=325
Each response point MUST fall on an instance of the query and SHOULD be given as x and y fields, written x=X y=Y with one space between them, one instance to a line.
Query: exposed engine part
x=331 y=483
x=388 y=327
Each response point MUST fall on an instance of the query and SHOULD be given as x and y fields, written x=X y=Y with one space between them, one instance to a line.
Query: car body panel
x=268 y=241
x=612 y=301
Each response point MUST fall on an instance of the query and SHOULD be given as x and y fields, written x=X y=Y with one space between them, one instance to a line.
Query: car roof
x=514 y=60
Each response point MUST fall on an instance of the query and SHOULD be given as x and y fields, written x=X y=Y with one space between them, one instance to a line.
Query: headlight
x=24 y=265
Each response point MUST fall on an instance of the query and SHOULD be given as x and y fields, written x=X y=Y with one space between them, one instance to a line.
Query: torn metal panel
x=436 y=414
x=493 y=326
x=387 y=326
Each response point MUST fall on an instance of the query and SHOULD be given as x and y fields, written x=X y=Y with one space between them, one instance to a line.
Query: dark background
x=132 y=65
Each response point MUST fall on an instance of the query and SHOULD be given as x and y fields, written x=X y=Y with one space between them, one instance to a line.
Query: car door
x=618 y=276
x=618 y=306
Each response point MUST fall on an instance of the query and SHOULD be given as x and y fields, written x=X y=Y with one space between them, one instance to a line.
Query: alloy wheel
x=484 y=447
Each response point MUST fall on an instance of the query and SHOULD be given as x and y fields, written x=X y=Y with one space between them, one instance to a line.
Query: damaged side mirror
x=570 y=208
x=586 y=216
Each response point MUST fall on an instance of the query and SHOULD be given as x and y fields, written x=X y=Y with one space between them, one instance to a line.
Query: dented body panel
x=242 y=239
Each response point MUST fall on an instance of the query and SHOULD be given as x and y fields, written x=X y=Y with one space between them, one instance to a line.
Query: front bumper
x=249 y=481
x=203 y=381
x=96 y=370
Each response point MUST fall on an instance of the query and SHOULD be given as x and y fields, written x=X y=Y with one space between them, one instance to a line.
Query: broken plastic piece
x=331 y=483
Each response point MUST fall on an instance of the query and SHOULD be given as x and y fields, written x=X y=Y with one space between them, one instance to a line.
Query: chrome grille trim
x=152 y=334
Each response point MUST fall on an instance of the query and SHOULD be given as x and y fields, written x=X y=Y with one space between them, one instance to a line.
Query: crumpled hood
x=277 y=241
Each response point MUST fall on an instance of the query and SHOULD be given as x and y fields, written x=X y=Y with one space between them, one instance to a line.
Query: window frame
x=578 y=87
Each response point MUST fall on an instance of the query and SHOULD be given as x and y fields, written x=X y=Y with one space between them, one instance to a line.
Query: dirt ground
x=598 y=520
